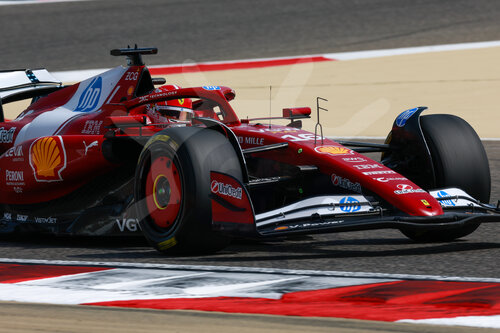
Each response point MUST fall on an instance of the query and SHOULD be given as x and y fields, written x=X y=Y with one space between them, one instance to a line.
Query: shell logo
x=48 y=159
x=333 y=150
x=130 y=91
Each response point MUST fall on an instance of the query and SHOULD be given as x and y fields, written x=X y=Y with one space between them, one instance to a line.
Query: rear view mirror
x=297 y=113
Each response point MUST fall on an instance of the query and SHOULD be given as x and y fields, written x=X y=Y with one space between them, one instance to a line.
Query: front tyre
x=459 y=160
x=172 y=188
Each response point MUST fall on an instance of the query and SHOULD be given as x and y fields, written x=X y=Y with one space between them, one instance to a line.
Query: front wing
x=233 y=213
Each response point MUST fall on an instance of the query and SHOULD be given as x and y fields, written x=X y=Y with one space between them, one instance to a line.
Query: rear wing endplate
x=21 y=84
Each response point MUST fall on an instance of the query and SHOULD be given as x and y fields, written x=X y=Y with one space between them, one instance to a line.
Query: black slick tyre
x=172 y=188
x=459 y=160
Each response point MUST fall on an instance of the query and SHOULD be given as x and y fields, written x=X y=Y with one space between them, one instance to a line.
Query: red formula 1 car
x=112 y=155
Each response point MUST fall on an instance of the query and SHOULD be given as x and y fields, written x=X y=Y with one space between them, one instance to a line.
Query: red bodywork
x=55 y=146
x=336 y=160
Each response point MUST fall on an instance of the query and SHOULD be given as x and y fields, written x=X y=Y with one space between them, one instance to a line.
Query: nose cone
x=422 y=204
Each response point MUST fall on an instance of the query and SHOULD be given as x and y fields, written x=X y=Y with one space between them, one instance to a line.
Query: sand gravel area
x=364 y=96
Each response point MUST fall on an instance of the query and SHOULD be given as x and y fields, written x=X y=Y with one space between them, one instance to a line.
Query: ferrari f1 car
x=104 y=157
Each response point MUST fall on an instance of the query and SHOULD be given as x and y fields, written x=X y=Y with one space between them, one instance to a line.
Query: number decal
x=300 y=137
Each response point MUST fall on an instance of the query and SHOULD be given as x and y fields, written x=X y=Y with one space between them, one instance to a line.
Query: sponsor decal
x=281 y=228
x=164 y=138
x=404 y=116
x=45 y=220
x=165 y=94
x=131 y=76
x=367 y=166
x=48 y=159
x=251 y=140
x=156 y=96
x=128 y=224
x=211 y=87
x=130 y=91
x=445 y=203
x=333 y=150
x=7 y=135
x=18 y=189
x=274 y=130
x=385 y=180
x=226 y=189
x=167 y=244
x=405 y=189
x=425 y=202
x=90 y=96
x=381 y=172
x=7 y=216
x=92 y=144
x=301 y=137
x=31 y=76
x=16 y=153
x=92 y=127
x=21 y=218
x=14 y=178
x=309 y=225
x=346 y=183
x=353 y=159
x=349 y=208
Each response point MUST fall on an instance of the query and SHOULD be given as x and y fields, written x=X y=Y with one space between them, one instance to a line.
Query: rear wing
x=21 y=84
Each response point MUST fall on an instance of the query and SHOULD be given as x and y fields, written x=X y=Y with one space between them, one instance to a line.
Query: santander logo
x=226 y=189
x=406 y=189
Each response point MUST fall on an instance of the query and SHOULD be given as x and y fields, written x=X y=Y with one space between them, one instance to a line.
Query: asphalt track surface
x=377 y=251
x=79 y=35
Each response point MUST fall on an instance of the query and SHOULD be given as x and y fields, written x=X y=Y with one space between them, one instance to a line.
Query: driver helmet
x=180 y=109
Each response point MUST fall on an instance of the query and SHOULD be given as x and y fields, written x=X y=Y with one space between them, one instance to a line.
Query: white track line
x=410 y=50
x=79 y=75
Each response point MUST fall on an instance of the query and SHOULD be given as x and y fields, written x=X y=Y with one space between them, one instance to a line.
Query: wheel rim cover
x=163 y=192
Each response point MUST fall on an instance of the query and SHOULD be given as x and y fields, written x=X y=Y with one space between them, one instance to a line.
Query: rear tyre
x=459 y=160
x=172 y=188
